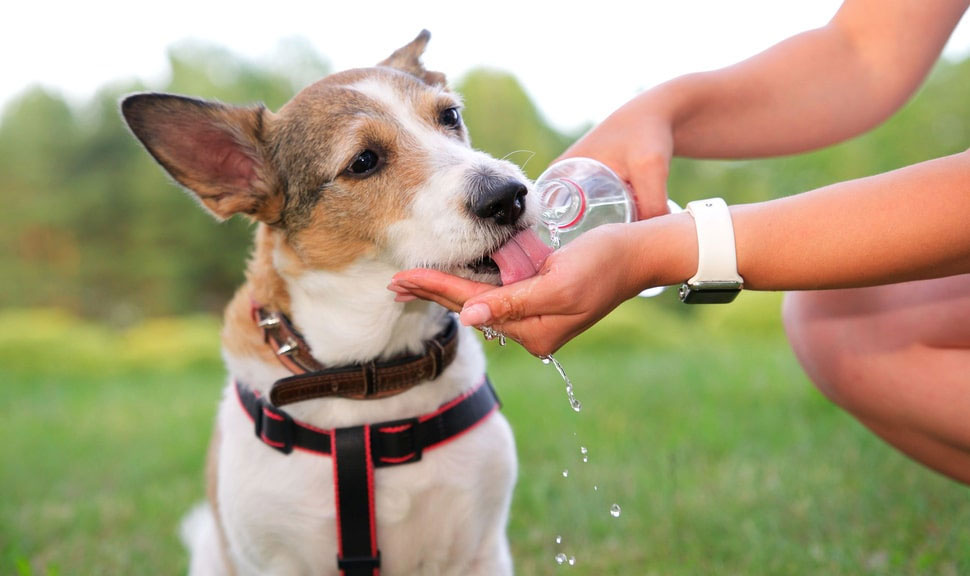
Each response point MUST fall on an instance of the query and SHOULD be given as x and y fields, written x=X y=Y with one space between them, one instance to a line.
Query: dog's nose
x=503 y=203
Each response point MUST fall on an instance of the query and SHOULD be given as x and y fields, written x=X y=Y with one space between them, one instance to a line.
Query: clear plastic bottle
x=578 y=194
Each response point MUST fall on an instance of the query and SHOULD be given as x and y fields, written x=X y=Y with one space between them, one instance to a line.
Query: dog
x=321 y=460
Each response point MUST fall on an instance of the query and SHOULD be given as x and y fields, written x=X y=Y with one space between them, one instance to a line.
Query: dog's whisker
x=531 y=154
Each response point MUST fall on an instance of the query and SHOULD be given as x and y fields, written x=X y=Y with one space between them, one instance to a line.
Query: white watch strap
x=717 y=260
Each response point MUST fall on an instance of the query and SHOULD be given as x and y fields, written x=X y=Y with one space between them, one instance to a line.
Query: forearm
x=812 y=90
x=909 y=224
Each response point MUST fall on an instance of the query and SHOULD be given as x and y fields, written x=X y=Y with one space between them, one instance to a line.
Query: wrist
x=665 y=249
x=717 y=280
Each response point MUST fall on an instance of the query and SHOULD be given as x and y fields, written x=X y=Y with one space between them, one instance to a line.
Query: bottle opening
x=563 y=203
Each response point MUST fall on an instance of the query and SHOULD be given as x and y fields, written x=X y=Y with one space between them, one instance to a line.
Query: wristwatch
x=717 y=280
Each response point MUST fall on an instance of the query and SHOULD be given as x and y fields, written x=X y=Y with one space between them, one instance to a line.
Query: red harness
x=357 y=450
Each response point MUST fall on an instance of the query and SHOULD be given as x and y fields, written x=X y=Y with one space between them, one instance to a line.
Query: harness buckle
x=359 y=564
x=396 y=442
x=274 y=427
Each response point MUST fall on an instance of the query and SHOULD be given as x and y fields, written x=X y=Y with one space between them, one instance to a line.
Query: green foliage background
x=731 y=465
x=91 y=225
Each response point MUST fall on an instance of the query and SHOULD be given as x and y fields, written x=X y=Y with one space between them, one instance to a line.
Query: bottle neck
x=563 y=201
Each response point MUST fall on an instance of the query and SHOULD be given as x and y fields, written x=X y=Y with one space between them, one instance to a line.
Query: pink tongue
x=521 y=257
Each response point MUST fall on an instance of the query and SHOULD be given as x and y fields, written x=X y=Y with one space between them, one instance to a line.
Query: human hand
x=636 y=141
x=576 y=286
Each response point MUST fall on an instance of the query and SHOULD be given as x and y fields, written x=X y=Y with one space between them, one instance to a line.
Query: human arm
x=814 y=89
x=909 y=224
x=811 y=90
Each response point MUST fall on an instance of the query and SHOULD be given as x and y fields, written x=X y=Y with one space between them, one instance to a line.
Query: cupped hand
x=576 y=286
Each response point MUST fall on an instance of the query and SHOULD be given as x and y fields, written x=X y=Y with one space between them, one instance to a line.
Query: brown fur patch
x=264 y=286
x=333 y=218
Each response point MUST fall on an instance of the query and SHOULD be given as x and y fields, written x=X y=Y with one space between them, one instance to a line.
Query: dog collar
x=359 y=381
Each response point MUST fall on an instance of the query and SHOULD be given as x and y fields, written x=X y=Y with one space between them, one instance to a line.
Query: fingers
x=447 y=290
x=496 y=304
x=648 y=179
x=532 y=312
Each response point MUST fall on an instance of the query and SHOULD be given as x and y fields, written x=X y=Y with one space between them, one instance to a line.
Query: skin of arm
x=851 y=234
x=811 y=90
x=814 y=89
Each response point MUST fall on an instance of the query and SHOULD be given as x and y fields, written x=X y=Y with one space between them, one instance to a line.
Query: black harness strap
x=353 y=472
x=358 y=450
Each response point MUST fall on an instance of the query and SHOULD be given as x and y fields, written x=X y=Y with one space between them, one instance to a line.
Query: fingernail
x=405 y=284
x=475 y=314
x=405 y=297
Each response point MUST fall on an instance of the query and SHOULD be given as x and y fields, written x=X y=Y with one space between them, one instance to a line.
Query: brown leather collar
x=360 y=381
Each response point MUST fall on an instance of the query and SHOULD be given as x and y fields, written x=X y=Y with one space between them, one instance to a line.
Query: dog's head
x=370 y=163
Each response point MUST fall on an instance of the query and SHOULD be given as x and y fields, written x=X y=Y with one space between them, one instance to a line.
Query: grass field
x=698 y=424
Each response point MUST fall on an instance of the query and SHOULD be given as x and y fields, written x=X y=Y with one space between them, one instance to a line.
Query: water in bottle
x=578 y=194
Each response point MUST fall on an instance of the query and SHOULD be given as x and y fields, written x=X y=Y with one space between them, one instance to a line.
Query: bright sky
x=578 y=60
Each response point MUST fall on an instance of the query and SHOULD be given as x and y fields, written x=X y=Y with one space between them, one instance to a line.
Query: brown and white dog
x=362 y=174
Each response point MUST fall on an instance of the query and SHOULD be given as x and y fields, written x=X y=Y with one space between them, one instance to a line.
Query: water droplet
x=615 y=510
x=501 y=339
x=585 y=459
x=572 y=560
x=558 y=539
x=552 y=226
x=560 y=558
x=565 y=473
x=546 y=359
x=596 y=488
x=585 y=453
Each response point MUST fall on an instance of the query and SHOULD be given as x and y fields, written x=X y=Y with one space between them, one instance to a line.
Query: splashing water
x=558 y=539
x=554 y=240
x=575 y=404
x=560 y=558
x=572 y=561
x=585 y=453
x=491 y=334
x=615 y=510
x=565 y=473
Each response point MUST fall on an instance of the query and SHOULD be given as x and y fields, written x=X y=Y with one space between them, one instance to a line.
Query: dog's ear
x=214 y=150
x=408 y=59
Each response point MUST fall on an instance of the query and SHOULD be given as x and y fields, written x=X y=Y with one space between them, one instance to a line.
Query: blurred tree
x=90 y=223
x=504 y=121
x=936 y=122
x=94 y=224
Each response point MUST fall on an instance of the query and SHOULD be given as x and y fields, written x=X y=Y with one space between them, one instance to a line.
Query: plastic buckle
x=354 y=564
x=396 y=442
x=274 y=427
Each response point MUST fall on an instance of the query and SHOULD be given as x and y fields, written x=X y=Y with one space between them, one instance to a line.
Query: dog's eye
x=450 y=117
x=364 y=163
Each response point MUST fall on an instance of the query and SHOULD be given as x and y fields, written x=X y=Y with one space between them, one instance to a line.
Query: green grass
x=698 y=423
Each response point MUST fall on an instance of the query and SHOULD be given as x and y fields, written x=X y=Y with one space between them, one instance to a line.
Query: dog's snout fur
x=500 y=199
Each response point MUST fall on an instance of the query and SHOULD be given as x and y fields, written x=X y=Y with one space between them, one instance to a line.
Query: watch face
x=689 y=295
